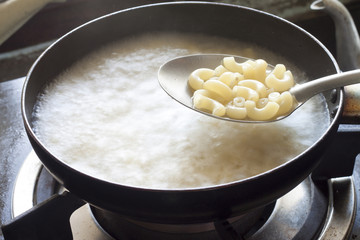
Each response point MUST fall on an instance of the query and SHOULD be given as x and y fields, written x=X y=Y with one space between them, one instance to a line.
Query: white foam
x=107 y=116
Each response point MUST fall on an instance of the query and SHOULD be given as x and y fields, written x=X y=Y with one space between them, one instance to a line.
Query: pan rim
x=194 y=189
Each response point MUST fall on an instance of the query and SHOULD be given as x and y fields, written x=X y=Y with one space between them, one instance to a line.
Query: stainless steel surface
x=25 y=197
x=342 y=209
x=332 y=213
x=14 y=144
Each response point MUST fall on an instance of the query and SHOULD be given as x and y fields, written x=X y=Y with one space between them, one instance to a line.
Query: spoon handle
x=303 y=92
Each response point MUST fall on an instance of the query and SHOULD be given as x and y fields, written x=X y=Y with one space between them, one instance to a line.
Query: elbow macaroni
x=255 y=85
x=280 y=79
x=255 y=70
x=285 y=101
x=243 y=90
x=199 y=76
x=231 y=79
x=219 y=88
x=203 y=100
x=246 y=93
x=261 y=114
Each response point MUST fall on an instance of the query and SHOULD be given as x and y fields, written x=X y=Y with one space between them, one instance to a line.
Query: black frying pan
x=193 y=205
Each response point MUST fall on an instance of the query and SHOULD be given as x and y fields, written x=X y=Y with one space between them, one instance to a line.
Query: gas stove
x=323 y=206
x=313 y=210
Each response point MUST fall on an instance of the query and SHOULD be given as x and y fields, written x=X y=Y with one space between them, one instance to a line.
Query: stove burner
x=121 y=227
x=321 y=210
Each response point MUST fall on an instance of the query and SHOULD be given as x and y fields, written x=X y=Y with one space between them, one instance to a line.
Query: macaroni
x=220 y=70
x=203 y=100
x=232 y=66
x=255 y=70
x=230 y=78
x=243 y=90
x=199 y=76
x=285 y=101
x=236 y=108
x=246 y=93
x=262 y=114
x=255 y=85
x=219 y=88
x=280 y=79
x=236 y=112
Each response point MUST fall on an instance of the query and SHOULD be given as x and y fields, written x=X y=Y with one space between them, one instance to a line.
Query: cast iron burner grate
x=310 y=211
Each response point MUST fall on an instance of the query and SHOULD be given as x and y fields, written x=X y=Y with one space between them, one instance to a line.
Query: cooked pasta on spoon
x=247 y=91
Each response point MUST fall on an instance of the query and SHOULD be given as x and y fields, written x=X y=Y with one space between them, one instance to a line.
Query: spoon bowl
x=173 y=78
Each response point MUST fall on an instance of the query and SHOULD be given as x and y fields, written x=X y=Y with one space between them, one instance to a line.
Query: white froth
x=107 y=116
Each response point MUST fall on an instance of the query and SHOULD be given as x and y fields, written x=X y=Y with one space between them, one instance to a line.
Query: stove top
x=316 y=209
x=312 y=210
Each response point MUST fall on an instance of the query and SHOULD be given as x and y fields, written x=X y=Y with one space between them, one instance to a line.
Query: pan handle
x=339 y=158
x=47 y=220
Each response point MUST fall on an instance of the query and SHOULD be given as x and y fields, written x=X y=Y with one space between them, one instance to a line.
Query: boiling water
x=108 y=117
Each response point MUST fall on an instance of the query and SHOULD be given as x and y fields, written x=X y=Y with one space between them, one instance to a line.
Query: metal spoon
x=173 y=78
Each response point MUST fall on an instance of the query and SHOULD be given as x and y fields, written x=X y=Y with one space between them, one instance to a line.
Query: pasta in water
x=243 y=90
x=107 y=116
